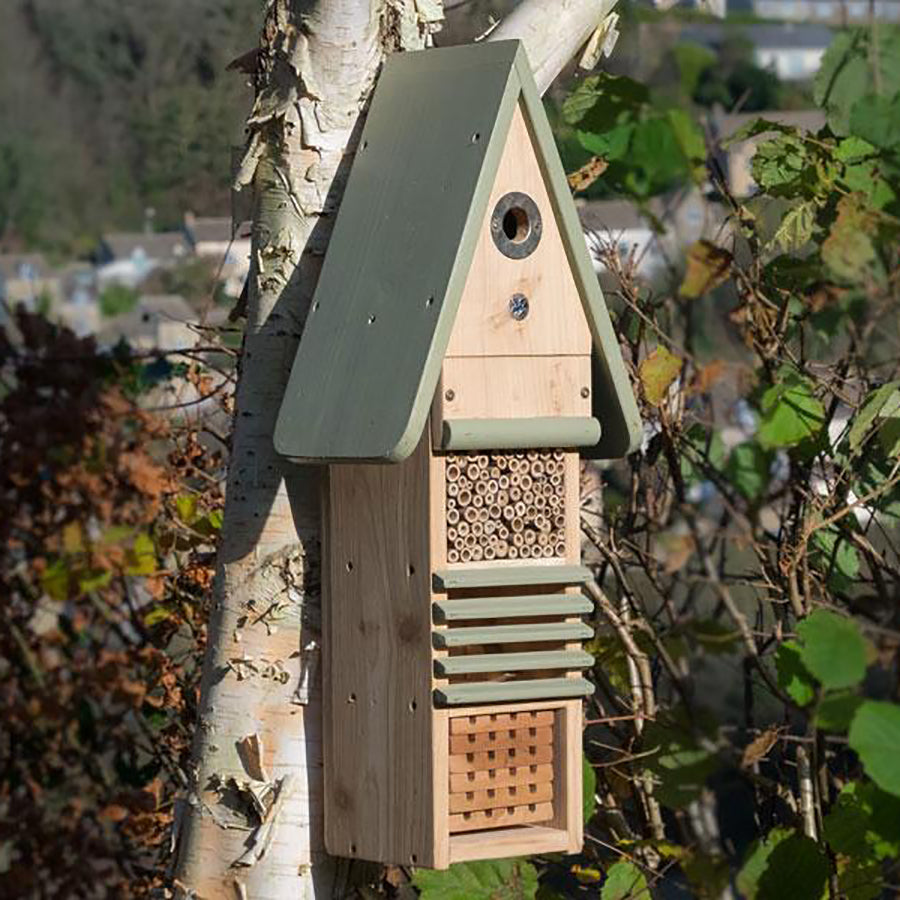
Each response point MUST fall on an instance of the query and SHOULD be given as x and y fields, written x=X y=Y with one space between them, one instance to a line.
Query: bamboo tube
x=530 y=536
x=555 y=480
x=539 y=502
x=517 y=525
x=502 y=497
x=520 y=509
x=483 y=514
x=452 y=516
x=518 y=539
x=559 y=455
x=531 y=513
x=477 y=529
x=494 y=472
x=503 y=532
x=515 y=480
x=515 y=494
x=452 y=534
x=537 y=468
x=490 y=527
x=559 y=521
x=512 y=553
x=502 y=551
x=503 y=482
x=542 y=523
x=471 y=514
x=478 y=501
x=453 y=556
x=477 y=554
x=526 y=482
x=465 y=555
x=509 y=513
x=490 y=553
x=462 y=529
x=470 y=540
x=453 y=490
x=560 y=548
x=472 y=472
x=483 y=461
x=543 y=539
x=464 y=498
x=453 y=472
x=536 y=551
x=495 y=510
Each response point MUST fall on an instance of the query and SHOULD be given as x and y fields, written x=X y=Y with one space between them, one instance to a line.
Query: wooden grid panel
x=501 y=770
x=505 y=505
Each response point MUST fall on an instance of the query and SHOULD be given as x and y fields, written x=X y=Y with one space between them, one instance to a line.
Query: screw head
x=450 y=395
x=585 y=392
x=519 y=307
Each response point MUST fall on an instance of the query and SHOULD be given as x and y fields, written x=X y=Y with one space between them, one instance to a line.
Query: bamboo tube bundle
x=505 y=506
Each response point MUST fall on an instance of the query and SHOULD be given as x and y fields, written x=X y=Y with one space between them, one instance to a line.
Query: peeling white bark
x=552 y=32
x=241 y=835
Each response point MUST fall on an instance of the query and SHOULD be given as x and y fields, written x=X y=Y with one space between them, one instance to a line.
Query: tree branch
x=552 y=32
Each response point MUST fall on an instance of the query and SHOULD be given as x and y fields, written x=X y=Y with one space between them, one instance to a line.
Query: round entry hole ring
x=516 y=225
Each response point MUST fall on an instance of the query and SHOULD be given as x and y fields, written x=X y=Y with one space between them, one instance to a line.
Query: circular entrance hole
x=516 y=226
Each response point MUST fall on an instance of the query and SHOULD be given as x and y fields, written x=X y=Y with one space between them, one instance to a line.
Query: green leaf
x=501 y=879
x=791 y=413
x=796 y=228
x=141 y=558
x=871 y=411
x=832 y=649
x=779 y=165
x=748 y=469
x=588 y=789
x=186 y=508
x=834 y=554
x=601 y=102
x=836 y=711
x=690 y=140
x=784 y=866
x=875 y=736
x=625 y=881
x=793 y=676
x=864 y=823
x=877 y=120
x=55 y=579
x=757 y=127
x=657 y=372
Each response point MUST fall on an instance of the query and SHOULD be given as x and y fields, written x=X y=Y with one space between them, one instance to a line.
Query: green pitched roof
x=372 y=347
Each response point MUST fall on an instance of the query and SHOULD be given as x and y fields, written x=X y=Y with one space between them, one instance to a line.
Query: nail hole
x=413 y=706
x=429 y=302
x=372 y=320
x=413 y=858
x=410 y=570
x=351 y=698
x=353 y=849
x=476 y=137
x=349 y=566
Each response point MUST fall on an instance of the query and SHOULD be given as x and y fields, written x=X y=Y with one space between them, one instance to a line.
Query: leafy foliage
x=505 y=879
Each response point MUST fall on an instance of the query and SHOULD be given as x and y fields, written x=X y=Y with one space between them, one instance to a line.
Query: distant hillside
x=108 y=107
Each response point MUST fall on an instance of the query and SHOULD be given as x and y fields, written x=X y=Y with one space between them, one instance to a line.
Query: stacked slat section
x=507 y=646
x=505 y=506
x=501 y=770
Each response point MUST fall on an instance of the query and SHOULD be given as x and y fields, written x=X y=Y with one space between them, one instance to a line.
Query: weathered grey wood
x=511 y=607
x=510 y=576
x=519 y=434
x=370 y=356
x=513 y=662
x=511 y=691
x=512 y=634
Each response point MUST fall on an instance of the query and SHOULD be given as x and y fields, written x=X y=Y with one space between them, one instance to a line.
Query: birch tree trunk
x=251 y=825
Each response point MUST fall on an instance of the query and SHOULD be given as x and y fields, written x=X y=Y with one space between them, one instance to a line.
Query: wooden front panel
x=379 y=755
x=556 y=324
x=510 y=387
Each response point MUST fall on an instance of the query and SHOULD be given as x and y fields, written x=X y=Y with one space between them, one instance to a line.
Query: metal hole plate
x=511 y=247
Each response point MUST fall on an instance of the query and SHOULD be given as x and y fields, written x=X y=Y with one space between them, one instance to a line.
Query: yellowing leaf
x=73 y=540
x=708 y=266
x=657 y=372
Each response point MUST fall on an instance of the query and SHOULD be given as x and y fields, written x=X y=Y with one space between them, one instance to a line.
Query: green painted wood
x=511 y=607
x=510 y=576
x=477 y=692
x=519 y=434
x=511 y=634
x=512 y=662
x=372 y=346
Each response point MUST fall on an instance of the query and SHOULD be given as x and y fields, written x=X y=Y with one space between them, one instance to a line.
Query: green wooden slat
x=511 y=607
x=512 y=634
x=510 y=576
x=513 y=662
x=519 y=434
x=477 y=692
x=416 y=200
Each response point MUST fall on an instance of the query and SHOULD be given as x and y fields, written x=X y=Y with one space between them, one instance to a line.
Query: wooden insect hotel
x=456 y=358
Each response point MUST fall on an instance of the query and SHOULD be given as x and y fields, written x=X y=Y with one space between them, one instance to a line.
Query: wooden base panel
x=504 y=842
